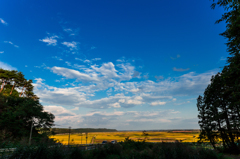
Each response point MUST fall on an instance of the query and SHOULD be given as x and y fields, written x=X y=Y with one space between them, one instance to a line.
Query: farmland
x=98 y=137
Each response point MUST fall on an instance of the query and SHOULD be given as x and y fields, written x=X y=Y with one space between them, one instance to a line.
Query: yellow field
x=120 y=136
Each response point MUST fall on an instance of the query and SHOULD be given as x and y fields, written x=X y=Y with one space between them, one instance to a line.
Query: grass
x=120 y=136
x=124 y=150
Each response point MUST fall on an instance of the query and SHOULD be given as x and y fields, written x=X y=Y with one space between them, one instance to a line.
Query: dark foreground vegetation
x=125 y=150
x=219 y=107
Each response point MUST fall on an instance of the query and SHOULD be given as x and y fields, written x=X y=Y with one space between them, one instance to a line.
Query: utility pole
x=69 y=135
x=86 y=137
x=81 y=138
x=29 y=143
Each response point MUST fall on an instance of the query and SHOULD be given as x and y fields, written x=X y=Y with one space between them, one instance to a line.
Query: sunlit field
x=98 y=137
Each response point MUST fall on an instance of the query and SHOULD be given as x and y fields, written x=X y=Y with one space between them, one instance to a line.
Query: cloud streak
x=50 y=40
x=9 y=42
x=3 y=22
x=180 y=69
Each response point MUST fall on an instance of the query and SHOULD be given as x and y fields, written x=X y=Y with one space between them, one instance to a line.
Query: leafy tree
x=216 y=115
x=19 y=107
x=219 y=109
x=13 y=83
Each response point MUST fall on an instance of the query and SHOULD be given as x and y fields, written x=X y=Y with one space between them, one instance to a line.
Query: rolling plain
x=153 y=136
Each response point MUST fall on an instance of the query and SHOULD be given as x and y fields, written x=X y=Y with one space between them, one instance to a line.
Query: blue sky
x=115 y=64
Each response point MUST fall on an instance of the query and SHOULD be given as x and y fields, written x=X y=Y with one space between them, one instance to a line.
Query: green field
x=183 y=136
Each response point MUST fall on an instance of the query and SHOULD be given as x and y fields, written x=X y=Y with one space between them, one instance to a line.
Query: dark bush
x=124 y=150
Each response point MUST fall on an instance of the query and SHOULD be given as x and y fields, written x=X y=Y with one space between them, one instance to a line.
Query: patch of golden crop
x=134 y=135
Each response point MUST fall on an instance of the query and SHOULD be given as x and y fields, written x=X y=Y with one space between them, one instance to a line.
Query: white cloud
x=78 y=59
x=73 y=74
x=115 y=105
x=71 y=31
x=96 y=59
x=109 y=78
x=187 y=84
x=50 y=40
x=1 y=52
x=180 y=69
x=67 y=30
x=107 y=70
x=72 y=45
x=128 y=70
x=6 y=66
x=157 y=103
x=68 y=63
x=87 y=61
x=9 y=42
x=58 y=110
x=121 y=59
x=78 y=66
x=76 y=108
x=78 y=96
x=136 y=74
x=3 y=22
x=42 y=66
x=146 y=76
x=57 y=58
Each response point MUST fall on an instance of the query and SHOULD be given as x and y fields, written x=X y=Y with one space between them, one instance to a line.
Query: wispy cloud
x=57 y=58
x=1 y=52
x=180 y=69
x=158 y=78
x=93 y=47
x=72 y=45
x=67 y=30
x=174 y=58
x=3 y=22
x=73 y=74
x=146 y=76
x=223 y=59
x=42 y=66
x=96 y=59
x=71 y=31
x=50 y=40
x=157 y=103
x=87 y=61
x=137 y=74
x=58 y=110
x=9 y=42
x=6 y=66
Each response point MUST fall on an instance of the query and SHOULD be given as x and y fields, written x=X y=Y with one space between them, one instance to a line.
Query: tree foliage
x=219 y=119
x=219 y=107
x=13 y=83
x=19 y=107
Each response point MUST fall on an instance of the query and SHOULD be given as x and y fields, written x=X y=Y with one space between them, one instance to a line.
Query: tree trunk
x=22 y=91
x=2 y=86
x=12 y=88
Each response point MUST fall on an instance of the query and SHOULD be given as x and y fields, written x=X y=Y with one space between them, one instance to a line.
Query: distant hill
x=81 y=130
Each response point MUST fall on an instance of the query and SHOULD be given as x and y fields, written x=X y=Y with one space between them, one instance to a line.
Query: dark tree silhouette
x=219 y=108
x=19 y=106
